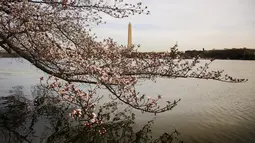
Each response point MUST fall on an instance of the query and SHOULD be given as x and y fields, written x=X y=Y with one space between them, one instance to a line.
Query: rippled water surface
x=209 y=112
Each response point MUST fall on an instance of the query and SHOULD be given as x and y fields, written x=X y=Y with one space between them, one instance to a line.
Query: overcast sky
x=195 y=24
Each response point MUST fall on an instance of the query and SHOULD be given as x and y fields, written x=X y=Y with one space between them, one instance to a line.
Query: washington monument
x=129 y=35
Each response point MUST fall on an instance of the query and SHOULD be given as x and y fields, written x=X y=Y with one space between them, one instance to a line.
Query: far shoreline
x=242 y=54
x=202 y=59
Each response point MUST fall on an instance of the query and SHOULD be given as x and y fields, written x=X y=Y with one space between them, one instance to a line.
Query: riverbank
x=9 y=56
x=224 y=54
x=4 y=54
x=221 y=54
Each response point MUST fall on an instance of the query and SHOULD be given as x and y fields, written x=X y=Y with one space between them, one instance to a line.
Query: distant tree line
x=235 y=54
x=4 y=54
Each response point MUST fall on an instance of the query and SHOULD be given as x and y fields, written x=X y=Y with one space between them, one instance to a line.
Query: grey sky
x=195 y=24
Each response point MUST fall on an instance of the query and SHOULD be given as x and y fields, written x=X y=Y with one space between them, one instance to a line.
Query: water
x=209 y=112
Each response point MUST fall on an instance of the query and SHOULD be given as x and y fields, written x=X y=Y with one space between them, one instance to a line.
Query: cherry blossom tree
x=54 y=36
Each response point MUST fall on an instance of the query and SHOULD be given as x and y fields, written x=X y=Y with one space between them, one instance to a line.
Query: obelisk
x=129 y=35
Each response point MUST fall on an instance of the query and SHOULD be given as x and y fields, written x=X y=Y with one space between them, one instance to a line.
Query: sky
x=195 y=24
